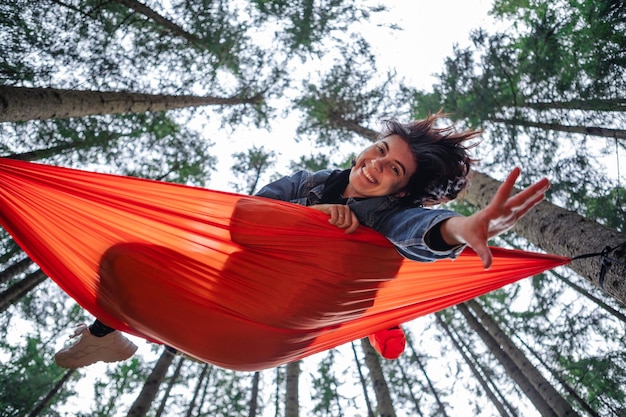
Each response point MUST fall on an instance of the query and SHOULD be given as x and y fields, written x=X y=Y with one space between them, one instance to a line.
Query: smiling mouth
x=367 y=175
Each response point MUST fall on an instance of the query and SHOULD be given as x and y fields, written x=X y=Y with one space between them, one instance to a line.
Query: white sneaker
x=90 y=349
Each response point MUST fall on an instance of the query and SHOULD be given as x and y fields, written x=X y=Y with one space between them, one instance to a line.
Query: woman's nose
x=375 y=164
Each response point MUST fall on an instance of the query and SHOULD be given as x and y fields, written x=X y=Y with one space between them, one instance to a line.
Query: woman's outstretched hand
x=500 y=215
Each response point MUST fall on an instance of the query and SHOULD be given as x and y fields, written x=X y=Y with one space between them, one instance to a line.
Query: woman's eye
x=380 y=149
x=395 y=170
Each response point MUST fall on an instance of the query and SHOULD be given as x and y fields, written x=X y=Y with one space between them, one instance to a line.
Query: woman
x=388 y=187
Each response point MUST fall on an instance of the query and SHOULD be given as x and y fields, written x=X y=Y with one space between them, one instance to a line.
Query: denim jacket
x=406 y=227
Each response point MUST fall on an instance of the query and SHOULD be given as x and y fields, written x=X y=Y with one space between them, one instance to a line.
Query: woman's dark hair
x=443 y=162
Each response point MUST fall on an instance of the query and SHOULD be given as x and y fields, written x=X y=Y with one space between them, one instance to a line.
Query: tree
x=21 y=103
x=148 y=393
x=377 y=378
x=291 y=386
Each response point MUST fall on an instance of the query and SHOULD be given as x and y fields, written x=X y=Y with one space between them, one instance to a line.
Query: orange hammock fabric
x=242 y=282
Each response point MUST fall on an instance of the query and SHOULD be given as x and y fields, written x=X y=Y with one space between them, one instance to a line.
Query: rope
x=607 y=261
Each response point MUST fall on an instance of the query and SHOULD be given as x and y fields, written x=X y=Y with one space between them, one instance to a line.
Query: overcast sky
x=430 y=29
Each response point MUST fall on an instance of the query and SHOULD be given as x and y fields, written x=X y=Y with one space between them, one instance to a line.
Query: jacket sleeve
x=285 y=189
x=410 y=229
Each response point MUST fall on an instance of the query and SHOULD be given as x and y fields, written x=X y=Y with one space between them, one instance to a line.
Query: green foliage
x=250 y=166
x=27 y=376
x=599 y=378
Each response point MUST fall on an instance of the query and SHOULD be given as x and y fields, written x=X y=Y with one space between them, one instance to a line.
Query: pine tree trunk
x=545 y=388
x=383 y=397
x=15 y=269
x=584 y=130
x=22 y=103
x=157 y=18
x=618 y=105
x=45 y=402
x=196 y=392
x=407 y=383
x=291 y=383
x=562 y=232
x=255 y=394
x=38 y=154
x=18 y=290
x=368 y=403
x=510 y=365
x=479 y=377
x=440 y=405
x=148 y=393
x=170 y=385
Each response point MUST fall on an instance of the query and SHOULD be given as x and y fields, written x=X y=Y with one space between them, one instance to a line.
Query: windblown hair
x=442 y=156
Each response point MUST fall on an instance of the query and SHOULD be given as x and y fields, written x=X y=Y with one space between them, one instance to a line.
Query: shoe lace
x=79 y=330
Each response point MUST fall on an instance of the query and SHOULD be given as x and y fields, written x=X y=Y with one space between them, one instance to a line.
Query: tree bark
x=383 y=397
x=150 y=388
x=50 y=395
x=15 y=269
x=196 y=392
x=20 y=289
x=170 y=385
x=508 y=364
x=24 y=103
x=589 y=105
x=562 y=232
x=291 y=385
x=161 y=20
x=584 y=130
x=368 y=403
x=479 y=377
x=255 y=394
x=441 y=407
x=556 y=401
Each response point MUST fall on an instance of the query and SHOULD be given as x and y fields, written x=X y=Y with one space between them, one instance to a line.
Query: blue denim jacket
x=406 y=227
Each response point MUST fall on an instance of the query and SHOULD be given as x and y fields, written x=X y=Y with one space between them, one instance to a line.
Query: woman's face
x=382 y=169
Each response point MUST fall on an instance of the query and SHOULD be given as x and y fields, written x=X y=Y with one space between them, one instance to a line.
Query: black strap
x=607 y=261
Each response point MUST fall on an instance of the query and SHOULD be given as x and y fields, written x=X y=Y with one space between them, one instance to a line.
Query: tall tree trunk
x=508 y=364
x=254 y=396
x=407 y=383
x=23 y=103
x=474 y=357
x=292 y=407
x=479 y=377
x=196 y=392
x=170 y=385
x=559 y=231
x=18 y=290
x=597 y=104
x=584 y=130
x=15 y=269
x=582 y=291
x=148 y=393
x=558 y=403
x=277 y=393
x=383 y=397
x=556 y=375
x=368 y=403
x=441 y=408
x=45 y=402
x=157 y=18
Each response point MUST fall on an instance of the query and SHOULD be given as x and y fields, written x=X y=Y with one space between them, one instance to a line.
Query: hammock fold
x=242 y=282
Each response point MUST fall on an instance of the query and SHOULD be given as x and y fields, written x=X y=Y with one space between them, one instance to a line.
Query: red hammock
x=242 y=282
